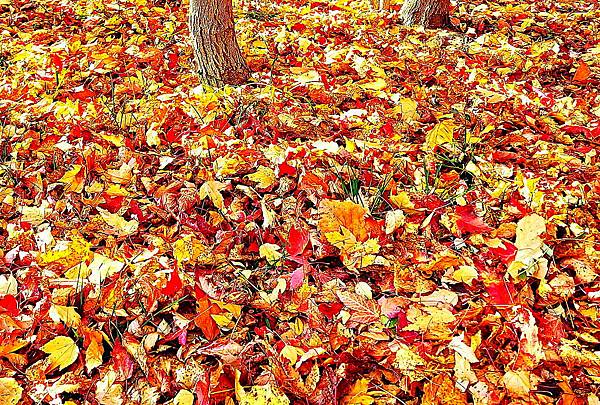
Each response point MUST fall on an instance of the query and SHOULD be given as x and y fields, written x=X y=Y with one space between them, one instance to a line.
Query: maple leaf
x=63 y=352
x=264 y=176
x=10 y=391
x=362 y=310
x=337 y=214
x=442 y=133
x=468 y=222
x=212 y=190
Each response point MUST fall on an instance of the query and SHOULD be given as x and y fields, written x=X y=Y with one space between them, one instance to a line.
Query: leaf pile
x=383 y=215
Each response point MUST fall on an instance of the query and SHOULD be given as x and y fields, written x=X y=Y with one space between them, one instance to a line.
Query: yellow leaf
x=443 y=132
x=116 y=140
x=264 y=176
x=10 y=391
x=259 y=394
x=407 y=108
x=312 y=76
x=529 y=245
x=465 y=274
x=519 y=383
x=190 y=249
x=270 y=252
x=120 y=225
x=212 y=190
x=102 y=267
x=402 y=200
x=120 y=176
x=358 y=394
x=68 y=254
x=62 y=350
x=407 y=360
x=35 y=215
x=74 y=179
x=68 y=315
x=93 y=354
x=184 y=397
x=378 y=84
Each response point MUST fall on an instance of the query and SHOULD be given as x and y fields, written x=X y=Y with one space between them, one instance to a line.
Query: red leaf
x=506 y=254
x=123 y=362
x=9 y=304
x=173 y=60
x=469 y=222
x=173 y=285
x=297 y=241
x=56 y=61
x=299 y=27
x=501 y=293
x=285 y=168
x=330 y=310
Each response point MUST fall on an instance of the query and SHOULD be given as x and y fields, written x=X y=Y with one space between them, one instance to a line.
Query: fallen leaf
x=62 y=352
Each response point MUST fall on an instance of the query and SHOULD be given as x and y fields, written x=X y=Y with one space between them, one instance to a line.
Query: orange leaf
x=362 y=310
x=583 y=73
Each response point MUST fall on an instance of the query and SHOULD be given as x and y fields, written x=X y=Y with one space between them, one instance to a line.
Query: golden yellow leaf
x=184 y=397
x=68 y=315
x=74 y=179
x=190 y=249
x=443 y=132
x=62 y=350
x=377 y=84
x=120 y=225
x=271 y=253
x=212 y=190
x=93 y=354
x=358 y=394
x=259 y=394
x=264 y=176
x=68 y=254
x=10 y=391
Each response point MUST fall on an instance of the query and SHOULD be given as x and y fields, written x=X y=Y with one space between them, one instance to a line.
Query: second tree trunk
x=428 y=13
x=217 y=52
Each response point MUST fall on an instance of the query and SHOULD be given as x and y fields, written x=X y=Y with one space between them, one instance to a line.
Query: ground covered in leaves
x=382 y=215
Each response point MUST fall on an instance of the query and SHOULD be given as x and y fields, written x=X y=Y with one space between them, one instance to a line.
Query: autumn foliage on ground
x=382 y=215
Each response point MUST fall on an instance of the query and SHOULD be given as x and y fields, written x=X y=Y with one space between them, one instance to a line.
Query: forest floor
x=383 y=214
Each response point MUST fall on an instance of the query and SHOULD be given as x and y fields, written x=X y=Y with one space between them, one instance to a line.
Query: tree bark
x=428 y=13
x=218 y=55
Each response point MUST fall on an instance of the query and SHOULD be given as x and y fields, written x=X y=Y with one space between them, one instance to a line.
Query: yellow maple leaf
x=337 y=214
x=63 y=352
x=259 y=394
x=529 y=244
x=377 y=85
x=184 y=397
x=93 y=354
x=212 y=190
x=264 y=176
x=443 y=132
x=68 y=315
x=74 y=179
x=271 y=253
x=120 y=226
x=190 y=249
x=10 y=391
x=358 y=394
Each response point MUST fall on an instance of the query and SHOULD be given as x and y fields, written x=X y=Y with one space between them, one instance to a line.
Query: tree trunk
x=428 y=13
x=218 y=55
